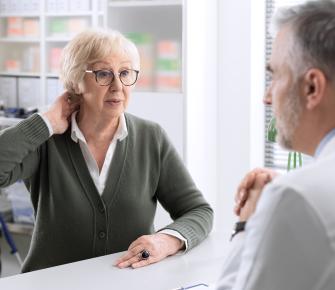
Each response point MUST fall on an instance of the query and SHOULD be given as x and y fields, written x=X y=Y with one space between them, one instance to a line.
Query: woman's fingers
x=132 y=256
x=157 y=246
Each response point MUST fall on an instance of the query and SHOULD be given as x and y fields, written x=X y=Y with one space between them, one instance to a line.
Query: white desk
x=203 y=264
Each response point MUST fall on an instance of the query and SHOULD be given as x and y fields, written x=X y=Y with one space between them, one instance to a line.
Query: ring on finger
x=144 y=255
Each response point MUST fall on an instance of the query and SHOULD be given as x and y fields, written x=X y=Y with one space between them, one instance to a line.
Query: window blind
x=274 y=156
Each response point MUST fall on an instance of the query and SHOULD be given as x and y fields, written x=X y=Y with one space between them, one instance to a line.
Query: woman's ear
x=76 y=89
x=314 y=87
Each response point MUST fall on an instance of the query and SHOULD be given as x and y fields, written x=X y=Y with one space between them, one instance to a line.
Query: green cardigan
x=73 y=222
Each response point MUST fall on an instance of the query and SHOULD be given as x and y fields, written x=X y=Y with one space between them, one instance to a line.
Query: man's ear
x=314 y=87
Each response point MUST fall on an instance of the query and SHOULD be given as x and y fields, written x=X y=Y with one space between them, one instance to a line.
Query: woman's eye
x=104 y=74
x=124 y=73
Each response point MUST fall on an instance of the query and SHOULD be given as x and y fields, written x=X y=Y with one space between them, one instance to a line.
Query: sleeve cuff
x=47 y=122
x=178 y=236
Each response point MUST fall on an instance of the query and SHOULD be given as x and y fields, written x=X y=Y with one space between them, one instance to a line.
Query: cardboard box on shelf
x=54 y=59
x=19 y=197
x=31 y=27
x=145 y=46
x=8 y=92
x=79 y=5
x=31 y=59
x=54 y=89
x=168 y=66
x=76 y=25
x=58 y=27
x=28 y=92
x=14 y=26
x=12 y=65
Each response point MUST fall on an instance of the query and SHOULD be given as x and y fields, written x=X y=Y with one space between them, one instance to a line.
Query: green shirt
x=73 y=222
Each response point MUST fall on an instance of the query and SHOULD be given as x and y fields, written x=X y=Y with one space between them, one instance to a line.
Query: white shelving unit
x=31 y=36
x=159 y=93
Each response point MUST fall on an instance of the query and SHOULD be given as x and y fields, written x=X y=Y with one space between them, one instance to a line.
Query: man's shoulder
x=310 y=176
x=315 y=184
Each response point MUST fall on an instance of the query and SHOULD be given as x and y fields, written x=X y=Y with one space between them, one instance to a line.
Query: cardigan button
x=101 y=208
x=102 y=235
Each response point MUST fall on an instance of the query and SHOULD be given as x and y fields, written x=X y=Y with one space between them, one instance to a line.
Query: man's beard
x=288 y=119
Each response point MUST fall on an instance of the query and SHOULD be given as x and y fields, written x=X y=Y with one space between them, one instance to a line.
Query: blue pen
x=10 y=240
x=190 y=287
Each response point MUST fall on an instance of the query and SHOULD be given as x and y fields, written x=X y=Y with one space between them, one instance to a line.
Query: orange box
x=31 y=27
x=14 y=26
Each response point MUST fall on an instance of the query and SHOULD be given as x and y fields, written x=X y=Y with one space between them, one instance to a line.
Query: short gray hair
x=91 y=46
x=313 y=35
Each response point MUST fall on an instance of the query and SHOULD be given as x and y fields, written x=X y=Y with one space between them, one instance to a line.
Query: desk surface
x=202 y=264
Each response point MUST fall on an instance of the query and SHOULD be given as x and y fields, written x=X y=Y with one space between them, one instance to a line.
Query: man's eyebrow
x=269 y=68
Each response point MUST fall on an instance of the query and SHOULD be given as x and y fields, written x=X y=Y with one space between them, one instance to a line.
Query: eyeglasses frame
x=95 y=72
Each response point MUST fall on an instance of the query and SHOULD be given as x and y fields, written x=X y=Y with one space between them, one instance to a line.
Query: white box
x=62 y=6
x=79 y=5
x=34 y=5
x=8 y=91
x=54 y=90
x=29 y=92
x=3 y=6
x=51 y=6
x=22 y=208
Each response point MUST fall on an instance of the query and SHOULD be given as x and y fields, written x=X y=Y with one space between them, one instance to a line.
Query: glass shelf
x=20 y=74
x=144 y=3
x=23 y=229
x=21 y=40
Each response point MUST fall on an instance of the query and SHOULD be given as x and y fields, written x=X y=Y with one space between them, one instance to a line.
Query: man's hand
x=260 y=180
x=60 y=112
x=247 y=184
x=159 y=246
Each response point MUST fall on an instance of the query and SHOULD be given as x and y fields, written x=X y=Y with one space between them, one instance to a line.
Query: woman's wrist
x=174 y=244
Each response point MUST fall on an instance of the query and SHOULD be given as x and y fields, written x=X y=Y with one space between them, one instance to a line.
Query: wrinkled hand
x=247 y=183
x=159 y=246
x=254 y=193
x=60 y=112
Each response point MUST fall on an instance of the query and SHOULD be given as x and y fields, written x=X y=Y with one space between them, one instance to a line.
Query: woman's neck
x=96 y=127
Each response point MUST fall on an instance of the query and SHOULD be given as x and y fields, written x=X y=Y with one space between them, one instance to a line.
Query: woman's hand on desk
x=61 y=111
x=159 y=246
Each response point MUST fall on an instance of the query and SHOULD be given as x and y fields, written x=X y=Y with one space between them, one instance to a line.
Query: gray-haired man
x=289 y=242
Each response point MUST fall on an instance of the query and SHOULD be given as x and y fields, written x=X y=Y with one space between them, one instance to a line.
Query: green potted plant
x=294 y=159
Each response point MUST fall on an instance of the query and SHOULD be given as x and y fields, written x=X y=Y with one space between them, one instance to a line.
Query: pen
x=190 y=287
x=10 y=240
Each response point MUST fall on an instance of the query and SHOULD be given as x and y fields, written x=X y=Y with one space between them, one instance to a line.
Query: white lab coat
x=289 y=243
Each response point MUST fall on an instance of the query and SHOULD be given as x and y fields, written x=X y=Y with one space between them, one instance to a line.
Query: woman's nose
x=116 y=84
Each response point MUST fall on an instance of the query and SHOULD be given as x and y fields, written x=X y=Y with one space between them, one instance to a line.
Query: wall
x=240 y=108
x=201 y=91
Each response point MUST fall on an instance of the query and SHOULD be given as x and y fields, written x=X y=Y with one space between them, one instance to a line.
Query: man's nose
x=267 y=100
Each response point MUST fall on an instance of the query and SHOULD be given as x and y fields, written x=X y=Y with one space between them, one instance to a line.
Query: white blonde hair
x=91 y=46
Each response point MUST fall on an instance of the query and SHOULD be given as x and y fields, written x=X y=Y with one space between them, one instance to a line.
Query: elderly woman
x=95 y=173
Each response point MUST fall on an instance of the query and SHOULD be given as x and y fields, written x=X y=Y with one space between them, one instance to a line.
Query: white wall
x=225 y=112
x=241 y=112
x=234 y=103
x=201 y=90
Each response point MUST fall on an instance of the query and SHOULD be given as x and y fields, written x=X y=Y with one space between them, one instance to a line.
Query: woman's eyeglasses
x=104 y=77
